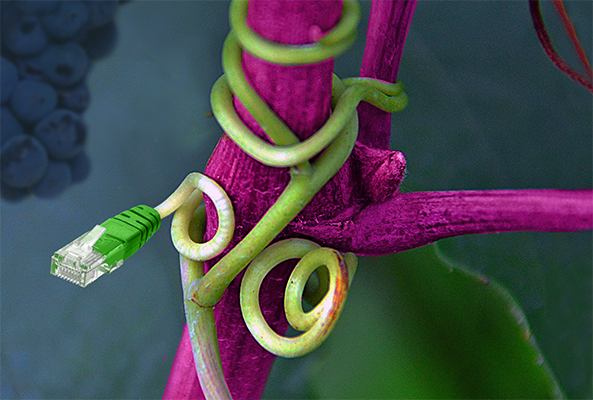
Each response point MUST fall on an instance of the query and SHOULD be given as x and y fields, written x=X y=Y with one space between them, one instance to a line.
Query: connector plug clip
x=104 y=248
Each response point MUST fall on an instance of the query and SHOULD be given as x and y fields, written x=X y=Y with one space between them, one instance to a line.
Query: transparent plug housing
x=79 y=262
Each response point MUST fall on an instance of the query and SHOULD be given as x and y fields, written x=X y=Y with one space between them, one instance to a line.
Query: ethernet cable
x=105 y=247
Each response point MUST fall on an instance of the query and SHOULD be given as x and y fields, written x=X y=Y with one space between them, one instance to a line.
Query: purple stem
x=410 y=220
x=183 y=380
x=300 y=95
x=388 y=27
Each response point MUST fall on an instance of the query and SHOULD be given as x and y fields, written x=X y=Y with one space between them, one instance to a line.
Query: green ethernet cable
x=104 y=248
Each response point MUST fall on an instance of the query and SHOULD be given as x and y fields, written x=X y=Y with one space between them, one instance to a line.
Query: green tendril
x=337 y=41
x=200 y=320
x=333 y=142
x=317 y=323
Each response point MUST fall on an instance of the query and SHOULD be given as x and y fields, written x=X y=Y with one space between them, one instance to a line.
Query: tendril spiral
x=185 y=200
x=317 y=323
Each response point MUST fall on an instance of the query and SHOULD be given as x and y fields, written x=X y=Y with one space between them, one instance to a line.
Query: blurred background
x=488 y=110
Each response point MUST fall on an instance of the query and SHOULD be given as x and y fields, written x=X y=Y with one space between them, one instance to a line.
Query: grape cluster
x=47 y=52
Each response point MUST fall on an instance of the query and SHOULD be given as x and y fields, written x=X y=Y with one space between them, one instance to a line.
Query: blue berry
x=67 y=20
x=9 y=125
x=80 y=165
x=36 y=7
x=33 y=100
x=101 y=41
x=24 y=161
x=62 y=133
x=13 y=194
x=101 y=12
x=10 y=77
x=22 y=33
x=57 y=178
x=30 y=68
x=74 y=98
x=64 y=64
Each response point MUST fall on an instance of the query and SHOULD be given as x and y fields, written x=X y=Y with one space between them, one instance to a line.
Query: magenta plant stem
x=386 y=33
x=183 y=380
x=300 y=96
x=411 y=220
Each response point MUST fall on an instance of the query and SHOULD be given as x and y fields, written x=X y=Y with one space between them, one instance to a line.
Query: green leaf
x=430 y=330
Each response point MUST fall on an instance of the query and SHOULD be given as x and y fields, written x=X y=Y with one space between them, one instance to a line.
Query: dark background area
x=487 y=110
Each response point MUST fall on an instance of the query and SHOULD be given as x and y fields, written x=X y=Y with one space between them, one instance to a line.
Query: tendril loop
x=187 y=197
x=317 y=323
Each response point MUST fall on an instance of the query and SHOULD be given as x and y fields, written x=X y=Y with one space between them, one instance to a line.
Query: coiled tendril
x=318 y=322
x=335 y=141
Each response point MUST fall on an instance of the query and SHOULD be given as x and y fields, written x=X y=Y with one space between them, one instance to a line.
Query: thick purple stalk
x=411 y=220
x=301 y=97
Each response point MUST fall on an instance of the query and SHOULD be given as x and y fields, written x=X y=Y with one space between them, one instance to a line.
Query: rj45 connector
x=104 y=249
